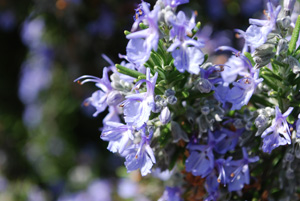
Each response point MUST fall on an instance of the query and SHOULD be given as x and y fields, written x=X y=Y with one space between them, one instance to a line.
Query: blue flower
x=185 y=50
x=298 y=127
x=99 y=97
x=258 y=31
x=119 y=136
x=201 y=159
x=142 y=42
x=171 y=194
x=278 y=133
x=141 y=156
x=137 y=107
x=212 y=187
x=174 y=3
x=238 y=172
x=228 y=142
x=242 y=90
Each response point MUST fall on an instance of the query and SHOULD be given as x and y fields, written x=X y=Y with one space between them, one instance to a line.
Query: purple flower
x=32 y=32
x=259 y=30
x=99 y=97
x=201 y=159
x=127 y=188
x=228 y=142
x=174 y=3
x=278 y=133
x=186 y=58
x=137 y=107
x=119 y=136
x=141 y=156
x=234 y=67
x=113 y=115
x=165 y=116
x=238 y=172
x=171 y=194
x=212 y=187
x=242 y=90
x=298 y=127
x=142 y=42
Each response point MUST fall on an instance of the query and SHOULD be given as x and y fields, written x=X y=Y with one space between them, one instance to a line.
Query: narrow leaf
x=295 y=35
x=130 y=72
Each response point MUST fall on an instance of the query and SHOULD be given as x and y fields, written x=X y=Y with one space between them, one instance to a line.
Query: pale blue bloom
x=212 y=187
x=165 y=116
x=171 y=194
x=201 y=159
x=119 y=136
x=141 y=155
x=185 y=50
x=99 y=97
x=242 y=90
x=228 y=142
x=238 y=172
x=137 y=107
x=298 y=127
x=259 y=30
x=278 y=133
x=142 y=42
x=174 y=3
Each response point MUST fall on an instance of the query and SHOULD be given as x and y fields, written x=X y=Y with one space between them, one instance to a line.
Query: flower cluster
x=169 y=104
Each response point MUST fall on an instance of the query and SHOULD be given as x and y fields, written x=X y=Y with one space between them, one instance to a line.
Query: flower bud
x=282 y=46
x=284 y=23
x=288 y=6
x=172 y=100
x=169 y=92
x=178 y=133
x=294 y=64
x=158 y=98
x=156 y=108
x=114 y=98
x=204 y=86
x=261 y=121
x=205 y=110
x=165 y=116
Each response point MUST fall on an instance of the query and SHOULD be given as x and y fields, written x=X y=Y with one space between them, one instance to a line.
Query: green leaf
x=269 y=82
x=295 y=36
x=196 y=28
x=266 y=71
x=130 y=72
x=143 y=26
x=249 y=56
x=127 y=32
x=261 y=100
x=290 y=119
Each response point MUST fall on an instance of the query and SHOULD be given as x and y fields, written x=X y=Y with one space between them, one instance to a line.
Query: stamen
x=79 y=82
x=238 y=54
x=196 y=13
x=122 y=105
x=265 y=12
x=237 y=35
x=136 y=156
x=232 y=175
x=219 y=180
x=86 y=103
x=140 y=12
